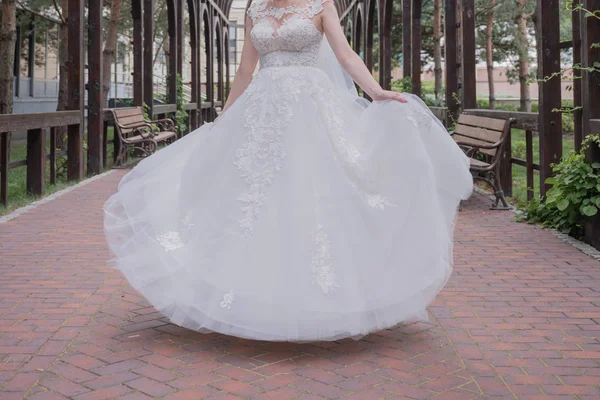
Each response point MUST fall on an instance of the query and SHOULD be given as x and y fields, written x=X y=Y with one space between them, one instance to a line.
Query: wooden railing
x=527 y=121
x=37 y=126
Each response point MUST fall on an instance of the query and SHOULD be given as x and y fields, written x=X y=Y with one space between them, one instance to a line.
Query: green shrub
x=574 y=195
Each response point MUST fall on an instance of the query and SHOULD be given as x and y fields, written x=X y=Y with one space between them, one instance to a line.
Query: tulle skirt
x=303 y=214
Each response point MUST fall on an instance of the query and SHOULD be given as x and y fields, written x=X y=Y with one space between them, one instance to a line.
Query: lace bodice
x=286 y=36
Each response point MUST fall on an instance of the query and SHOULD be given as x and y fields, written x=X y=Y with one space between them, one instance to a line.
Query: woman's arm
x=243 y=75
x=349 y=60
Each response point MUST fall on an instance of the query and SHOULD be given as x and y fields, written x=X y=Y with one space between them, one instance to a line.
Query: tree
x=8 y=37
x=522 y=44
x=110 y=45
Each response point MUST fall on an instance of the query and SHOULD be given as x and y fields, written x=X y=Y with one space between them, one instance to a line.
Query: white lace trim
x=323 y=274
x=259 y=9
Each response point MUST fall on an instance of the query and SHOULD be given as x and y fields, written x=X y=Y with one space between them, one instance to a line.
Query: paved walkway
x=519 y=319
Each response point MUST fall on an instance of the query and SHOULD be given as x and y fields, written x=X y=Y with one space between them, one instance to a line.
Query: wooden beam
x=161 y=109
x=451 y=62
x=138 y=52
x=149 y=55
x=36 y=161
x=469 y=74
x=75 y=23
x=407 y=38
x=550 y=123
x=95 y=160
x=24 y=122
x=417 y=8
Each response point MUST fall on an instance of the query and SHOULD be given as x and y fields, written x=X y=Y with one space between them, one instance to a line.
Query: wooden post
x=173 y=47
x=149 y=56
x=577 y=95
x=385 y=66
x=219 y=44
x=469 y=73
x=407 y=38
x=591 y=100
x=203 y=35
x=36 y=161
x=416 y=47
x=227 y=65
x=506 y=167
x=4 y=152
x=180 y=4
x=529 y=164
x=550 y=123
x=451 y=62
x=210 y=61
x=76 y=88
x=53 y=155
x=194 y=44
x=95 y=160
x=369 y=21
x=138 y=52
x=589 y=56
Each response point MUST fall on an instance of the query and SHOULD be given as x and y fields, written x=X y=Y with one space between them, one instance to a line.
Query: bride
x=305 y=212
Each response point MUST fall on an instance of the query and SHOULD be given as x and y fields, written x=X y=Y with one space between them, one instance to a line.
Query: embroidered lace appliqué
x=378 y=201
x=228 y=299
x=170 y=241
x=323 y=274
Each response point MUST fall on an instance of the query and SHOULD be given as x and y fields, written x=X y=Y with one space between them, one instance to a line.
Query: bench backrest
x=474 y=130
x=128 y=116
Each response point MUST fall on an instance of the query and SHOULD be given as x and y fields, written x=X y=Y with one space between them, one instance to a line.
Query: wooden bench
x=135 y=133
x=484 y=141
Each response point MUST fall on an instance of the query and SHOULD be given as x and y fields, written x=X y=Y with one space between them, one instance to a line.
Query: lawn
x=17 y=177
x=519 y=173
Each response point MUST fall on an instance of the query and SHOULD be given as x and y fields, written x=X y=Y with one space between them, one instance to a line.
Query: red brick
x=150 y=387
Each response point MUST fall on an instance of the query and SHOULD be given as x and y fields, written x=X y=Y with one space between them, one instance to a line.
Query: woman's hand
x=388 y=95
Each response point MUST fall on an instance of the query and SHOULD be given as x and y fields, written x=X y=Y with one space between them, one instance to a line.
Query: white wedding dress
x=305 y=213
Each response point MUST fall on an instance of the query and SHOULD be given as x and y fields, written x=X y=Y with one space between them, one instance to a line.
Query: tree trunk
x=437 y=48
x=523 y=50
x=61 y=131
x=489 y=54
x=110 y=45
x=8 y=37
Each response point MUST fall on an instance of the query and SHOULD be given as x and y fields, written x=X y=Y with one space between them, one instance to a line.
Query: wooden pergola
x=209 y=24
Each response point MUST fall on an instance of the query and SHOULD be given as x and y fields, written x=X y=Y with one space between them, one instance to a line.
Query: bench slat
x=483 y=122
x=467 y=141
x=127 y=112
x=478 y=164
x=478 y=133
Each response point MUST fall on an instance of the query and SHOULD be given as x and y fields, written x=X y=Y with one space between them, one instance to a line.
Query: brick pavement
x=519 y=319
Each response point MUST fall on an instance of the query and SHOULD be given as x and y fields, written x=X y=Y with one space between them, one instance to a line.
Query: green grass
x=17 y=178
x=519 y=173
